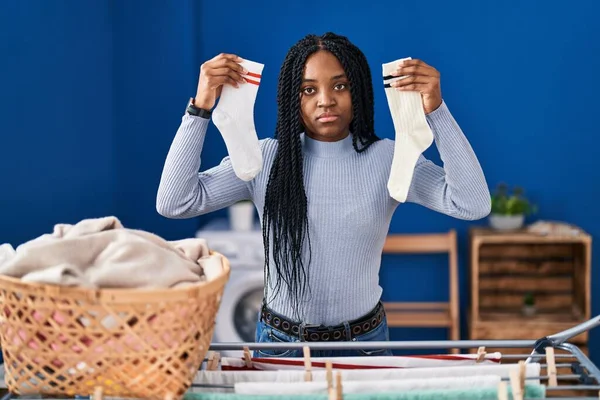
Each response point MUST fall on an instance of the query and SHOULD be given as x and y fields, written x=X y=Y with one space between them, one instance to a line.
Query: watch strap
x=195 y=111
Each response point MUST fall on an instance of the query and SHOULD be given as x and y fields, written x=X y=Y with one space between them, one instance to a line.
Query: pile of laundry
x=101 y=253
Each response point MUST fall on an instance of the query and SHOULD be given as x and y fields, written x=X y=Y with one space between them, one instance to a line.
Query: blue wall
x=57 y=150
x=93 y=93
x=156 y=72
x=521 y=81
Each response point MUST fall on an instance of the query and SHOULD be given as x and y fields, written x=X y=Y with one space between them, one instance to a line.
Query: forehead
x=322 y=65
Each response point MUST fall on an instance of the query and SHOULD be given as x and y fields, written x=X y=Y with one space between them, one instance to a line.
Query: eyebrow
x=332 y=78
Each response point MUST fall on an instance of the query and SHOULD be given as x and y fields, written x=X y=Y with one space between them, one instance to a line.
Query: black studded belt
x=321 y=333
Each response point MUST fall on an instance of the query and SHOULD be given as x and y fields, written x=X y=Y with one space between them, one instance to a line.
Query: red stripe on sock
x=254 y=75
x=252 y=81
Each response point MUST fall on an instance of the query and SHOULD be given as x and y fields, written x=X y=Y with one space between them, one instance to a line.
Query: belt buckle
x=312 y=326
x=311 y=332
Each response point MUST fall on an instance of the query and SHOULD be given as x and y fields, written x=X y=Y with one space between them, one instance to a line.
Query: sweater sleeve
x=459 y=189
x=184 y=192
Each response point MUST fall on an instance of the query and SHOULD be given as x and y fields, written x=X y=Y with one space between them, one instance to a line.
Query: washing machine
x=243 y=293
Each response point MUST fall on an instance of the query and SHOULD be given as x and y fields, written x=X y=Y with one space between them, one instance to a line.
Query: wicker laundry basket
x=148 y=344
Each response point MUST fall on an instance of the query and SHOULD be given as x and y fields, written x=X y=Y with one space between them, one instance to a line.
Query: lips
x=327 y=117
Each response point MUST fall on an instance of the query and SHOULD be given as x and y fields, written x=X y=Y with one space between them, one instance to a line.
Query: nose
x=326 y=99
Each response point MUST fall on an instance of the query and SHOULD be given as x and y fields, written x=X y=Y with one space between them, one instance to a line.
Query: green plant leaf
x=504 y=203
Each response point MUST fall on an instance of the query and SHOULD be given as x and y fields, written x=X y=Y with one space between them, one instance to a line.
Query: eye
x=308 y=90
x=341 y=86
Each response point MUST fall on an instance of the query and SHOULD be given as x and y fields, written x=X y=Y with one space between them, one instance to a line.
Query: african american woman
x=322 y=193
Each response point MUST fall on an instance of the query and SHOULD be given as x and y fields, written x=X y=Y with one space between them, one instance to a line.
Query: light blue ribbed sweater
x=349 y=207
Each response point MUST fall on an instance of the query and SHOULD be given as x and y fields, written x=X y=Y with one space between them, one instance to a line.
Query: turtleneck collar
x=317 y=148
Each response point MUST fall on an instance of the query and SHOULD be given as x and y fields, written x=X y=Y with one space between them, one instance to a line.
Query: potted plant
x=529 y=304
x=509 y=209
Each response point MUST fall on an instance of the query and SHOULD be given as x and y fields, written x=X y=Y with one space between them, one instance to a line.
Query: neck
x=329 y=149
x=324 y=138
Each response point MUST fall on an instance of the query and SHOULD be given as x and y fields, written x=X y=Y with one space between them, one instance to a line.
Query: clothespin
x=522 y=375
x=480 y=354
x=247 y=357
x=502 y=390
x=331 y=390
x=338 y=383
x=517 y=391
x=307 y=364
x=329 y=375
x=552 y=380
x=98 y=393
x=213 y=360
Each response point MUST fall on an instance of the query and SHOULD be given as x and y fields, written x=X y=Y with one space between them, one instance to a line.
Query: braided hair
x=285 y=210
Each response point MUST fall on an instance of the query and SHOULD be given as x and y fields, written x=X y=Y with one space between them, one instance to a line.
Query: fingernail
x=244 y=71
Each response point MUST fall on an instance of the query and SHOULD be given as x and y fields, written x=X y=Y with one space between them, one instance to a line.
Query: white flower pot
x=241 y=216
x=529 y=311
x=506 y=222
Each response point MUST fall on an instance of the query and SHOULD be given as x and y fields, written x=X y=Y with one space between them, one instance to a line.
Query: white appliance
x=243 y=294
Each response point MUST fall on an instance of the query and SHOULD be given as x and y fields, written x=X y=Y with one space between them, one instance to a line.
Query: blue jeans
x=267 y=334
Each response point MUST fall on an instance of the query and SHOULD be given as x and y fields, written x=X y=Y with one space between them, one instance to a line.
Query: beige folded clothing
x=101 y=253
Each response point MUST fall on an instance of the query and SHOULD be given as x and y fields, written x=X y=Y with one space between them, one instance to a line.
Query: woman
x=322 y=194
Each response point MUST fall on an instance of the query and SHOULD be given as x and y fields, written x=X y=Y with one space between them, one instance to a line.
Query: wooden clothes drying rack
x=427 y=314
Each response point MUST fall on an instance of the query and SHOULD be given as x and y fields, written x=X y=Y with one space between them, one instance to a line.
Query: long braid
x=285 y=214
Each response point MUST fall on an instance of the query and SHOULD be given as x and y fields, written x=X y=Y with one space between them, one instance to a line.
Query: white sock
x=234 y=117
x=413 y=135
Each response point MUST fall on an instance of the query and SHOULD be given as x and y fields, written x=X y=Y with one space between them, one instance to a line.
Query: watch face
x=189 y=103
x=198 y=112
x=193 y=110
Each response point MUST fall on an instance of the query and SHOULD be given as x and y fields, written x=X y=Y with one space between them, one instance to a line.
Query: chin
x=334 y=133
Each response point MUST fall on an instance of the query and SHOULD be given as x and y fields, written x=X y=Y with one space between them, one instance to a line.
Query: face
x=325 y=100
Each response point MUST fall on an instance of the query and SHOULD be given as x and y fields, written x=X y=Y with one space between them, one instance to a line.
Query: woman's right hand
x=220 y=70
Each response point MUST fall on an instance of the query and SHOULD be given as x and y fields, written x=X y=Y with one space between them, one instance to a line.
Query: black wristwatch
x=195 y=111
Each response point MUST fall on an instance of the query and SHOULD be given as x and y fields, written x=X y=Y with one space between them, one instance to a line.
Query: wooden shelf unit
x=427 y=314
x=506 y=266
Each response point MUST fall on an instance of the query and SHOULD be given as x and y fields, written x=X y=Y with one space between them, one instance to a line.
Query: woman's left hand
x=422 y=78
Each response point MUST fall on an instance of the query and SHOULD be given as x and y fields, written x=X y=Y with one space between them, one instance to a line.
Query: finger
x=226 y=71
x=228 y=56
x=224 y=63
x=413 y=62
x=416 y=70
x=417 y=87
x=413 y=79
x=223 y=80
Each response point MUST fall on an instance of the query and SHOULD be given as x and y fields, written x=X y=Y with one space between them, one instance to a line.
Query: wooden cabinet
x=508 y=268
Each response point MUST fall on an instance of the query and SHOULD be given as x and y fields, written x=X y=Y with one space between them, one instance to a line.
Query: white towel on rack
x=382 y=386
x=230 y=378
x=417 y=361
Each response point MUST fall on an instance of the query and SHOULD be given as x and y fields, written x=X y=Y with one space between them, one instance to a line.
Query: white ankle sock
x=413 y=135
x=234 y=117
